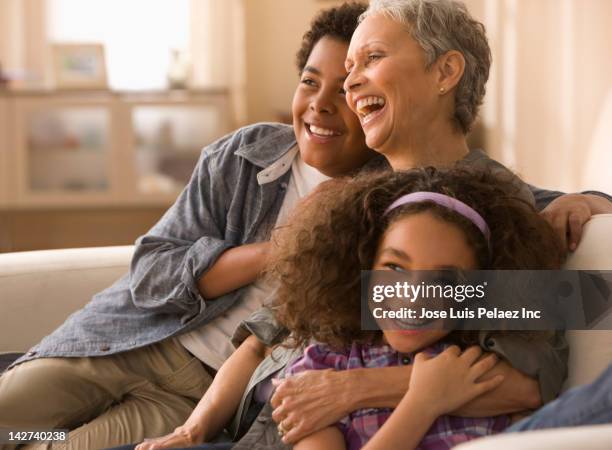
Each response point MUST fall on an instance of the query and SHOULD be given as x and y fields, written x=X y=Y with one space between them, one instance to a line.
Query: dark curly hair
x=319 y=255
x=339 y=23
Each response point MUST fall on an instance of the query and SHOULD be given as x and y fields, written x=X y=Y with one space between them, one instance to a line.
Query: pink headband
x=447 y=202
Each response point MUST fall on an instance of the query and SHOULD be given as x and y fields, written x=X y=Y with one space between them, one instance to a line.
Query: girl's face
x=389 y=87
x=422 y=242
x=329 y=135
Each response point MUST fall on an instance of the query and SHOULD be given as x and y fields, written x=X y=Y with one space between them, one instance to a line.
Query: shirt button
x=104 y=348
x=406 y=360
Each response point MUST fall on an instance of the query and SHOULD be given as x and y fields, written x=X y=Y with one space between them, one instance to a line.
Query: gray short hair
x=440 y=26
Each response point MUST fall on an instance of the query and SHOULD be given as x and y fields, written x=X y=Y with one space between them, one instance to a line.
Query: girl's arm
x=329 y=438
x=219 y=403
x=438 y=386
x=405 y=428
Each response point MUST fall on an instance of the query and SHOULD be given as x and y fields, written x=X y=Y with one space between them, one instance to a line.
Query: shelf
x=103 y=149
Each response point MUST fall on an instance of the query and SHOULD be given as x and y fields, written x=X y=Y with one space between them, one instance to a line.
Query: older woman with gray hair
x=418 y=70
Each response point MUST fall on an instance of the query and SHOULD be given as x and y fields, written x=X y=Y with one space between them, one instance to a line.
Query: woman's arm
x=219 y=403
x=316 y=399
x=516 y=393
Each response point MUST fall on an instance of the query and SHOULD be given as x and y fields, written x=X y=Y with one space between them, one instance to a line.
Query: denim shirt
x=232 y=199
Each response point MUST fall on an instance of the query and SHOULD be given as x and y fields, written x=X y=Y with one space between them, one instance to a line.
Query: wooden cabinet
x=99 y=151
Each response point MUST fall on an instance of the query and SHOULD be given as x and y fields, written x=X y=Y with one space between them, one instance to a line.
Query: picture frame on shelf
x=79 y=66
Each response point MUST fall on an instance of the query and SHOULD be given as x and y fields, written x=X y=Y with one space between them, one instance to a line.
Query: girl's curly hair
x=334 y=235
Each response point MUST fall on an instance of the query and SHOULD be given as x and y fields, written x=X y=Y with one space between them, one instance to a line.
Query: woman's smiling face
x=328 y=133
x=388 y=86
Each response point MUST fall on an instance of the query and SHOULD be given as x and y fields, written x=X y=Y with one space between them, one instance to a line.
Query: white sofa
x=38 y=290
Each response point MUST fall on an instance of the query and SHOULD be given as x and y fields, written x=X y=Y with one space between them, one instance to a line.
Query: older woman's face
x=388 y=86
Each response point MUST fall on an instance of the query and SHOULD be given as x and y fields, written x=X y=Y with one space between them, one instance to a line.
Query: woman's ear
x=450 y=67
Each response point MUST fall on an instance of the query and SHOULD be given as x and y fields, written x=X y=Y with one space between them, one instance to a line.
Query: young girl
x=461 y=220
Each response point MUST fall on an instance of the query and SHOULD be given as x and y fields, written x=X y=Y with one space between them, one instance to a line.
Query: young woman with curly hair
x=460 y=219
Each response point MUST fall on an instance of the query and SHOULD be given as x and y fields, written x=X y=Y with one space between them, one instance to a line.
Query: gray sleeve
x=543 y=196
x=544 y=359
x=263 y=325
x=169 y=260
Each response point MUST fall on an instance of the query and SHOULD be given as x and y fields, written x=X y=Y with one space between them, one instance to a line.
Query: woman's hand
x=179 y=438
x=443 y=383
x=568 y=214
x=307 y=402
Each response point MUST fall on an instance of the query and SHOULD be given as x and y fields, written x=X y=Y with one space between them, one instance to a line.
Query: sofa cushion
x=591 y=351
x=596 y=437
x=41 y=288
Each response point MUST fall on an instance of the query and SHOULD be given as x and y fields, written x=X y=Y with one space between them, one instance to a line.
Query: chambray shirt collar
x=278 y=168
x=265 y=152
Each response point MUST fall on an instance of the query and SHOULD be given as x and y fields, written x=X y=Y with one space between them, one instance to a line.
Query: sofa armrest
x=40 y=289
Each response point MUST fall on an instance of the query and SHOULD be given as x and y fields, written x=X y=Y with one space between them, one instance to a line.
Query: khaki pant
x=105 y=401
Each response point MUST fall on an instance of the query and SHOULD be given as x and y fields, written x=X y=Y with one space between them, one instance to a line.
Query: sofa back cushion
x=591 y=351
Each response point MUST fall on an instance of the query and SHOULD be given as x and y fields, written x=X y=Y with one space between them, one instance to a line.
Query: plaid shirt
x=361 y=425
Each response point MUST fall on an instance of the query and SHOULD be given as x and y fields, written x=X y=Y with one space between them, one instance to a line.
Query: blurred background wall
x=548 y=108
x=547 y=113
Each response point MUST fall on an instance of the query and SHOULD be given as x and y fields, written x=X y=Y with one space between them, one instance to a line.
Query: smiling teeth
x=322 y=131
x=363 y=103
x=412 y=322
